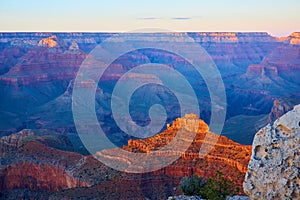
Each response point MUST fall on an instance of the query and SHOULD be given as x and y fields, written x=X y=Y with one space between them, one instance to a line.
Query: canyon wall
x=227 y=156
x=37 y=68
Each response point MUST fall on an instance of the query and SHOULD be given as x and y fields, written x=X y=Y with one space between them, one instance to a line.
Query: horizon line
x=132 y=32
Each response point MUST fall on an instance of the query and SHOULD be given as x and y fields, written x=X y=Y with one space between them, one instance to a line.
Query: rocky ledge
x=183 y=197
x=274 y=168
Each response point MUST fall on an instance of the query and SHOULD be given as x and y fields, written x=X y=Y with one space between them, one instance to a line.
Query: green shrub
x=218 y=188
x=215 y=188
x=191 y=185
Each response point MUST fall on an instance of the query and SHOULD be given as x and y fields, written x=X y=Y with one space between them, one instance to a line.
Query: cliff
x=233 y=37
x=279 y=108
x=41 y=74
x=44 y=65
x=39 y=177
x=12 y=142
x=277 y=71
x=294 y=38
x=26 y=163
x=273 y=171
x=283 y=59
x=227 y=156
x=48 y=42
x=35 y=80
x=33 y=162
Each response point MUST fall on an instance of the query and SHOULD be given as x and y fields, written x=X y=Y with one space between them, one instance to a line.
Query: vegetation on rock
x=191 y=185
x=215 y=188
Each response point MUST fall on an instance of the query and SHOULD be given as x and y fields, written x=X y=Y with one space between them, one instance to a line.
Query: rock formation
x=74 y=46
x=41 y=74
x=14 y=141
x=274 y=168
x=48 y=42
x=232 y=37
x=295 y=38
x=29 y=160
x=278 y=70
x=39 y=177
x=35 y=79
x=279 y=108
x=183 y=197
x=27 y=163
x=226 y=156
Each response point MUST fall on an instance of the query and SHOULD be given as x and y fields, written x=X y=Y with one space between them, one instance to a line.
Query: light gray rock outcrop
x=184 y=197
x=274 y=168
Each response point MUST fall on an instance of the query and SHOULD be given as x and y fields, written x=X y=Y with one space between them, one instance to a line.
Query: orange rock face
x=41 y=168
x=227 y=156
x=48 y=42
x=39 y=177
x=295 y=38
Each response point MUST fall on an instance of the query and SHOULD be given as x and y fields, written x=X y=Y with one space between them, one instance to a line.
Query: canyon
x=37 y=70
x=42 y=156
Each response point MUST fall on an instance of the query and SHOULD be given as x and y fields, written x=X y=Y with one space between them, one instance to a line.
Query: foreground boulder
x=274 y=168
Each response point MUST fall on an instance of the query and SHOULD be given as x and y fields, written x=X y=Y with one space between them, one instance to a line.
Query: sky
x=278 y=17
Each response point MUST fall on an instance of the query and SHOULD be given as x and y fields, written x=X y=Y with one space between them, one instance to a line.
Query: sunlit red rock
x=76 y=171
x=48 y=42
x=295 y=38
x=45 y=177
x=227 y=156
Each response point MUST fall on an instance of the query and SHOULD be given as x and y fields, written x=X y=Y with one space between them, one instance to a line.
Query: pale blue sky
x=278 y=17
